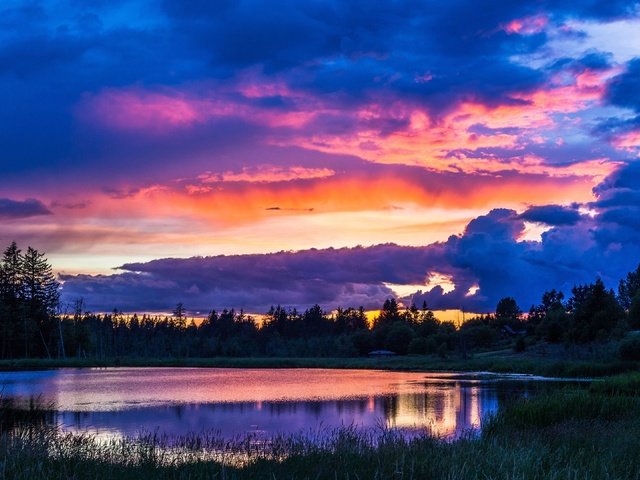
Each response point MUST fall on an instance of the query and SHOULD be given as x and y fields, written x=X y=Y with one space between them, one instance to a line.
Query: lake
x=265 y=402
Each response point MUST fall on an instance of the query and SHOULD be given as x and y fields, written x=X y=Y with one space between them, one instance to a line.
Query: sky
x=241 y=154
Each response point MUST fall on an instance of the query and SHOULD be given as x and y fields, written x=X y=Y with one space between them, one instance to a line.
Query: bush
x=520 y=345
x=630 y=349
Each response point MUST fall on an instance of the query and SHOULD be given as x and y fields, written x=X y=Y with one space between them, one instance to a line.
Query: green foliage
x=399 y=337
x=362 y=342
x=553 y=325
x=629 y=288
x=419 y=346
x=630 y=349
x=619 y=385
x=595 y=312
x=634 y=312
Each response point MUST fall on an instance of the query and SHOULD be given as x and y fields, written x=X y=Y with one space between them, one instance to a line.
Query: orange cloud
x=429 y=141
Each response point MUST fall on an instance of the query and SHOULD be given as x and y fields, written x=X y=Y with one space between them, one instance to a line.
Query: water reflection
x=237 y=402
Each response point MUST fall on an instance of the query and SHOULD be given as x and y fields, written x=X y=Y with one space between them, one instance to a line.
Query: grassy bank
x=564 y=435
x=499 y=362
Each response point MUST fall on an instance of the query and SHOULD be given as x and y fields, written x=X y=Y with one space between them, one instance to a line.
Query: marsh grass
x=567 y=434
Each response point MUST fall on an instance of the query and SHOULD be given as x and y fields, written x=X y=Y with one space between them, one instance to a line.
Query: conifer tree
x=10 y=295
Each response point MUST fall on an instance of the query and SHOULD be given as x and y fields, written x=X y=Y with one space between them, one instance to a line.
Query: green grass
x=499 y=362
x=568 y=434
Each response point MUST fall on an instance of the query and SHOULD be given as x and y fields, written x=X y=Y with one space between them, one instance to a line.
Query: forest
x=34 y=325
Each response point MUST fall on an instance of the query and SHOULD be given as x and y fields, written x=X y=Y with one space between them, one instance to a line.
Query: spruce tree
x=11 y=282
x=41 y=295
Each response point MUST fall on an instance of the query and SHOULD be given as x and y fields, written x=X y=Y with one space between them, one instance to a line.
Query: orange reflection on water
x=240 y=401
x=442 y=411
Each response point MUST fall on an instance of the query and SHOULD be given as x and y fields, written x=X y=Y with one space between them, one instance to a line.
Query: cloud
x=13 y=209
x=624 y=90
x=553 y=215
x=190 y=121
x=484 y=263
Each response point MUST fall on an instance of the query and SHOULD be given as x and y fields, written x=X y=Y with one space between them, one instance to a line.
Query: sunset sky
x=248 y=153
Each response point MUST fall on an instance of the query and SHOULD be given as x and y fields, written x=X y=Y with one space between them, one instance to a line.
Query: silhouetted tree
x=10 y=293
x=29 y=298
x=594 y=311
x=507 y=309
x=390 y=312
x=629 y=288
x=180 y=315
x=634 y=312
x=398 y=338
x=550 y=320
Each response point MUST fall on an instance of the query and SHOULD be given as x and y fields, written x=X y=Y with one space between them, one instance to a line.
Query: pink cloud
x=142 y=110
x=428 y=141
x=629 y=141
x=527 y=25
x=267 y=174
x=152 y=112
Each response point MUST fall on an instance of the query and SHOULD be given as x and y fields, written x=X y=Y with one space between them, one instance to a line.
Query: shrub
x=630 y=349
x=520 y=345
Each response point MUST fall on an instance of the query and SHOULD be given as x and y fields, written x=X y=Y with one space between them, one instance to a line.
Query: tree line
x=33 y=325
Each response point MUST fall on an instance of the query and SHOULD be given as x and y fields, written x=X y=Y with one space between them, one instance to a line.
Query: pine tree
x=41 y=295
x=10 y=296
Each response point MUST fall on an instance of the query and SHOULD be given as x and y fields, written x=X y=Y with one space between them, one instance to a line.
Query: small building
x=382 y=353
x=511 y=332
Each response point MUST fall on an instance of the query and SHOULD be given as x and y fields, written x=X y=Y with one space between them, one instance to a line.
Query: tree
x=629 y=288
x=29 y=299
x=634 y=312
x=390 y=312
x=10 y=292
x=594 y=311
x=507 y=309
x=549 y=319
x=399 y=336
x=180 y=315
x=41 y=294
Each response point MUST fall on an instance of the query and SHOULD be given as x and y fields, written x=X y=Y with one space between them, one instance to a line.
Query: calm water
x=237 y=402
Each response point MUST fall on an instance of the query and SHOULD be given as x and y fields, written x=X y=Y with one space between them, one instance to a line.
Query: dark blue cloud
x=552 y=215
x=22 y=208
x=624 y=90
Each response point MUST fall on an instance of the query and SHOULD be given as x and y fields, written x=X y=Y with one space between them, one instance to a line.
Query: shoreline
x=547 y=367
